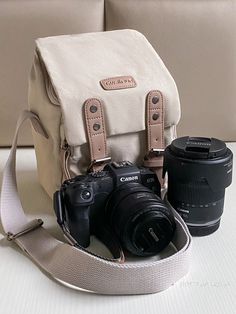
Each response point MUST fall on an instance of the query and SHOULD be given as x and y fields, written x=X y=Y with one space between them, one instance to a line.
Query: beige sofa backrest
x=195 y=40
x=21 y=22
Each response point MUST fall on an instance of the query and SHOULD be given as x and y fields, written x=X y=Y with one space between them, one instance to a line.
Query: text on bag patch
x=118 y=82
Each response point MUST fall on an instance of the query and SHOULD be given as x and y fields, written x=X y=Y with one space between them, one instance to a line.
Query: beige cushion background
x=195 y=38
x=197 y=41
x=21 y=22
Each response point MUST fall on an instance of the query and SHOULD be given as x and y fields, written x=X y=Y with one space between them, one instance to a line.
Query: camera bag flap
x=119 y=68
x=95 y=96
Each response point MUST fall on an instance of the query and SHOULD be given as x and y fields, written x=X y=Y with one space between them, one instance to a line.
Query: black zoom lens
x=140 y=219
x=199 y=169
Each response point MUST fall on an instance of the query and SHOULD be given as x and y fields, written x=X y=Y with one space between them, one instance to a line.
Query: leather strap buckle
x=154 y=152
x=98 y=162
x=32 y=225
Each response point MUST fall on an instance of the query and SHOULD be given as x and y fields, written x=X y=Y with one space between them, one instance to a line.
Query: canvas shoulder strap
x=76 y=267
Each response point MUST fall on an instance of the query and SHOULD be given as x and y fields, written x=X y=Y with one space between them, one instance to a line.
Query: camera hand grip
x=79 y=226
x=58 y=207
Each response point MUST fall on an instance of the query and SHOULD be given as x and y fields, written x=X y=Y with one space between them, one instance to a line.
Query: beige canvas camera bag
x=94 y=98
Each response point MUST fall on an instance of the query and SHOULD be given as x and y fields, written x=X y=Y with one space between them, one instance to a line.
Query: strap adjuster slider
x=32 y=225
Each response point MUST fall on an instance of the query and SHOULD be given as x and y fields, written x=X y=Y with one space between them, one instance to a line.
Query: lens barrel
x=140 y=219
x=199 y=169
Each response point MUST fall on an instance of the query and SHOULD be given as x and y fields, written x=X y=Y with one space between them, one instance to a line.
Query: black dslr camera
x=122 y=199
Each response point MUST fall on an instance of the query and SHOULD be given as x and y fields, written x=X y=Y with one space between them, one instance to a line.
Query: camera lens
x=199 y=169
x=140 y=219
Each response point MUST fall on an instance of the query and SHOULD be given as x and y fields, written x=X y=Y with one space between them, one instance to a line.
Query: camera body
x=82 y=201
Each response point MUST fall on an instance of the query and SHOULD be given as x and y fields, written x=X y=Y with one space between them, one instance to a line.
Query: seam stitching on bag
x=88 y=127
x=149 y=117
x=103 y=128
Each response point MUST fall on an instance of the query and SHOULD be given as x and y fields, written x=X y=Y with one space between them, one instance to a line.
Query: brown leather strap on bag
x=155 y=132
x=96 y=132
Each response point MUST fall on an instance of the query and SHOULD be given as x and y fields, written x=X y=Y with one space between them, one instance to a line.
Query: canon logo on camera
x=126 y=179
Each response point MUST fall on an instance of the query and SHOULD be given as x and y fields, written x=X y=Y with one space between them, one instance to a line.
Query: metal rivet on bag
x=93 y=109
x=155 y=116
x=155 y=99
x=96 y=126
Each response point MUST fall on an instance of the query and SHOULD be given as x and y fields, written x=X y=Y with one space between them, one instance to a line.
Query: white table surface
x=210 y=286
